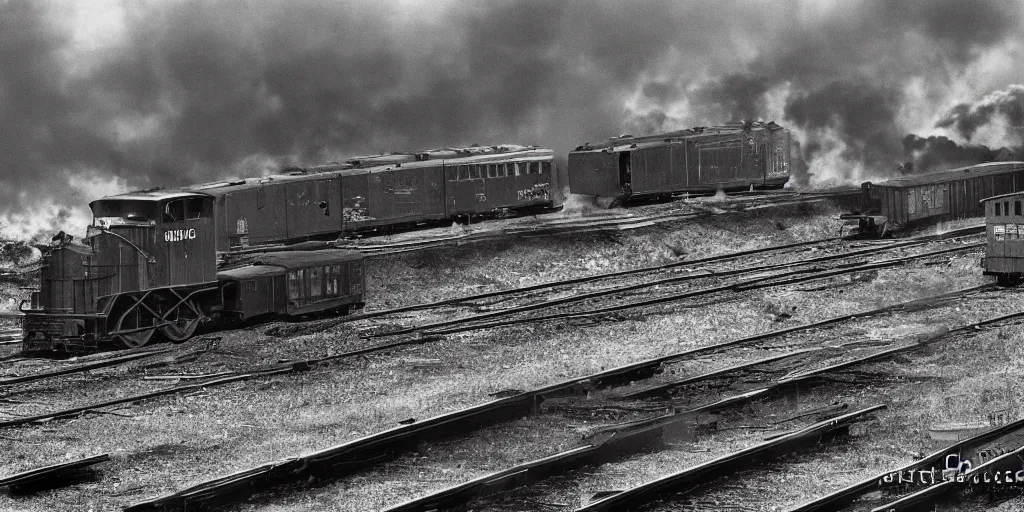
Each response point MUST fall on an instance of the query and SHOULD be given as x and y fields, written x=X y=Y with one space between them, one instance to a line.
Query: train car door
x=465 y=189
x=314 y=207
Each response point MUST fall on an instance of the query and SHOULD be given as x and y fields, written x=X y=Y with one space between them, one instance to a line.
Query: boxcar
x=942 y=196
x=1004 y=226
x=294 y=283
x=730 y=157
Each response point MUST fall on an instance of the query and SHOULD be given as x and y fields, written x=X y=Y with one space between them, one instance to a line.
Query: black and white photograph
x=511 y=255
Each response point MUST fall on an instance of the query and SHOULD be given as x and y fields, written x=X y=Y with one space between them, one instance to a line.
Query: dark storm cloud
x=197 y=90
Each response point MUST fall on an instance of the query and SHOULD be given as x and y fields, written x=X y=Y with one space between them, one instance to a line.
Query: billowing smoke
x=106 y=96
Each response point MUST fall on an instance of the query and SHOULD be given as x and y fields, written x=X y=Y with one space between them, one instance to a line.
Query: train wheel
x=136 y=339
x=184 y=321
x=135 y=325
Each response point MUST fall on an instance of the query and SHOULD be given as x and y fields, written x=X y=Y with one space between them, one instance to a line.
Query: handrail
x=149 y=259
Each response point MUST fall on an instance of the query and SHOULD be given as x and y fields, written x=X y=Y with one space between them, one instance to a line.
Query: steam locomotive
x=155 y=263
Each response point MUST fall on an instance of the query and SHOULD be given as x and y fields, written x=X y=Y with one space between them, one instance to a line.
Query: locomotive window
x=1016 y=208
x=998 y=209
x=196 y=208
x=534 y=167
x=130 y=210
x=174 y=211
x=463 y=172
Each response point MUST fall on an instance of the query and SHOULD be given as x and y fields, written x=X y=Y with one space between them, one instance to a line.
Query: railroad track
x=771 y=275
x=346 y=458
x=552 y=224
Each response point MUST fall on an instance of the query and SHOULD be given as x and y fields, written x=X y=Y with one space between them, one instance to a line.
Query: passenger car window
x=474 y=172
x=174 y=211
x=463 y=172
x=492 y=171
x=545 y=167
x=534 y=167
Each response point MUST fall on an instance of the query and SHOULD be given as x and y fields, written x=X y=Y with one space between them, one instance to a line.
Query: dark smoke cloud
x=937 y=153
x=188 y=91
x=967 y=118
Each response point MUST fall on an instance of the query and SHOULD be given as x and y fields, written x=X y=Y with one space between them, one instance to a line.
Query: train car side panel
x=355 y=201
x=406 y=194
x=652 y=170
x=313 y=207
x=255 y=215
x=595 y=173
x=532 y=185
x=184 y=247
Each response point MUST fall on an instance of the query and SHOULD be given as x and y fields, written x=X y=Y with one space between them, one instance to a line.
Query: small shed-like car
x=1004 y=227
x=294 y=283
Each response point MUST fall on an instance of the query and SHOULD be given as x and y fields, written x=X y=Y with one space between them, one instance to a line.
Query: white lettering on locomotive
x=177 y=235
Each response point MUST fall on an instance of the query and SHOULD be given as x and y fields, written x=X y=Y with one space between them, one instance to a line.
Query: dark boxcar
x=294 y=283
x=940 y=196
x=701 y=159
x=1004 y=225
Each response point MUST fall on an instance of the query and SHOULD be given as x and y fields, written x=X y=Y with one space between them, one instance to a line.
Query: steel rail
x=114 y=361
x=669 y=484
x=37 y=475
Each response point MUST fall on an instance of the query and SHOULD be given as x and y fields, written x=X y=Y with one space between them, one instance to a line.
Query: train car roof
x=629 y=142
x=152 y=195
x=971 y=171
x=276 y=263
x=1002 y=196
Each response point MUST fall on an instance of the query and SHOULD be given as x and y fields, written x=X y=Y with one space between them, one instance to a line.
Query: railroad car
x=903 y=202
x=364 y=193
x=148 y=267
x=1004 y=226
x=735 y=156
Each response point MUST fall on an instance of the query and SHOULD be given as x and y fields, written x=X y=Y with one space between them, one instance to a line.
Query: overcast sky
x=98 y=97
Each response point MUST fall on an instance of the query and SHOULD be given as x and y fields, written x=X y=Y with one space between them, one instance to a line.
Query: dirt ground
x=166 y=444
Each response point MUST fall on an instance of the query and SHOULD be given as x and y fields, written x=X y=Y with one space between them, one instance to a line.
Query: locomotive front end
x=61 y=316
